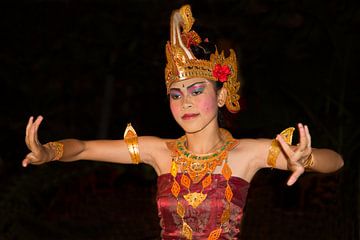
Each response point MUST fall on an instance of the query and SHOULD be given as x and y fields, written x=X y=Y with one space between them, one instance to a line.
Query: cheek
x=208 y=105
x=175 y=109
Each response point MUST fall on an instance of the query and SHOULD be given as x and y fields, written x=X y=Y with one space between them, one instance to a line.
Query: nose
x=187 y=102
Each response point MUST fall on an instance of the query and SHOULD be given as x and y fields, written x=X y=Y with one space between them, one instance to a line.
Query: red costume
x=206 y=217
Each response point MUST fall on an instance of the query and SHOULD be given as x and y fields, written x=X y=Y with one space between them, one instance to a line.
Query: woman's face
x=193 y=103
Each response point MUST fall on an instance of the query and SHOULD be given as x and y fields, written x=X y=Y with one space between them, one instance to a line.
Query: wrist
x=309 y=162
x=55 y=150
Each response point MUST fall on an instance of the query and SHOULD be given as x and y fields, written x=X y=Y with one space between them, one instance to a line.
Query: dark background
x=89 y=67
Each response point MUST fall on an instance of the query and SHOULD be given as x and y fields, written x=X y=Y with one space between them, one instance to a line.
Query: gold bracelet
x=131 y=140
x=274 y=149
x=58 y=149
x=309 y=162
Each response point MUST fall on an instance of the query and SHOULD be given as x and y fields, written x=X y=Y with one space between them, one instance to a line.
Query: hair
x=203 y=51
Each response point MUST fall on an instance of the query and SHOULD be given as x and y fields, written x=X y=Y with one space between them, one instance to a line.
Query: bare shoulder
x=156 y=152
x=251 y=146
x=248 y=157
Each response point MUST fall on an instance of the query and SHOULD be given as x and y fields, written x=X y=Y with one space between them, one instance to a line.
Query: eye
x=197 y=91
x=175 y=96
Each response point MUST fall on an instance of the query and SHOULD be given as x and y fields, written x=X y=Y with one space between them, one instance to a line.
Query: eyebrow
x=188 y=87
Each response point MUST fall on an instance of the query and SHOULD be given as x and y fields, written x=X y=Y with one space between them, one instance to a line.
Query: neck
x=205 y=140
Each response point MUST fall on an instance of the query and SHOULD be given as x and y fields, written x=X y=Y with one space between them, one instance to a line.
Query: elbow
x=340 y=163
x=333 y=164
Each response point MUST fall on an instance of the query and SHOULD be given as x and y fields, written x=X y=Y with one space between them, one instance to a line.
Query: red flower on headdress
x=221 y=72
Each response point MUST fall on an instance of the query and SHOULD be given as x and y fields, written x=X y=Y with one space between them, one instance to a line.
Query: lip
x=189 y=116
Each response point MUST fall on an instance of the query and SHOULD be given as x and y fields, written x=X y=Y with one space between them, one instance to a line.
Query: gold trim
x=182 y=64
x=198 y=165
x=275 y=147
x=131 y=140
x=58 y=149
x=195 y=199
x=198 y=169
x=309 y=162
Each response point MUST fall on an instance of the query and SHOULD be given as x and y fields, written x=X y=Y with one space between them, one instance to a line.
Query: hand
x=38 y=153
x=295 y=156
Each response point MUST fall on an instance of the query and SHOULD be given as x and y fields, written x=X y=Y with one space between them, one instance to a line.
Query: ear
x=221 y=97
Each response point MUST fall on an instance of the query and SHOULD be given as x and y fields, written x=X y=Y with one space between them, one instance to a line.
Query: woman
x=203 y=177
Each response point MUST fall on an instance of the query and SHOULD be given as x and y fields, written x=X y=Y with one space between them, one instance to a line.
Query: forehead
x=188 y=82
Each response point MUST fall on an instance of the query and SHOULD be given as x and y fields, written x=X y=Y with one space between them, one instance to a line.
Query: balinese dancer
x=203 y=176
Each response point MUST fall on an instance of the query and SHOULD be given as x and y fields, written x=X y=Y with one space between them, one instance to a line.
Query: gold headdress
x=182 y=64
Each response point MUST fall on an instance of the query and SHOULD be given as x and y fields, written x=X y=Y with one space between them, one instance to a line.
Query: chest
x=214 y=211
x=239 y=163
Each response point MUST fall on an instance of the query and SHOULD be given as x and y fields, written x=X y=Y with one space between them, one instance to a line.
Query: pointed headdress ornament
x=182 y=63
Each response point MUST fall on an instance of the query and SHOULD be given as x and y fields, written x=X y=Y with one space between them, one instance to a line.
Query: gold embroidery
x=226 y=171
x=225 y=215
x=275 y=147
x=309 y=162
x=185 y=181
x=174 y=169
x=131 y=141
x=228 y=193
x=196 y=168
x=186 y=231
x=182 y=64
x=195 y=199
x=207 y=181
x=58 y=149
x=175 y=189
x=215 y=234
x=180 y=210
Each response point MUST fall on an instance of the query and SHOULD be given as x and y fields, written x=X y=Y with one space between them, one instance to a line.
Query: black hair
x=203 y=50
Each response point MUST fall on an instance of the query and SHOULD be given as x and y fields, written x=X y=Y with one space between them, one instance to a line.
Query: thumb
x=294 y=177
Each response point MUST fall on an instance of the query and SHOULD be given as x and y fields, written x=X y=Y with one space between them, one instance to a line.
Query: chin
x=193 y=127
x=190 y=128
x=196 y=125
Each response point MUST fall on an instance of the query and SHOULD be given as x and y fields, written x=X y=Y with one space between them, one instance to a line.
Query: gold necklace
x=196 y=167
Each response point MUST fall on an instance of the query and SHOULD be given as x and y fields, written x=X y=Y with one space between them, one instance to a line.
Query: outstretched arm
x=73 y=149
x=301 y=157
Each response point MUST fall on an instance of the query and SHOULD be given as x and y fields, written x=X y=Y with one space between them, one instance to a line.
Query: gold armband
x=58 y=149
x=274 y=149
x=309 y=162
x=131 y=140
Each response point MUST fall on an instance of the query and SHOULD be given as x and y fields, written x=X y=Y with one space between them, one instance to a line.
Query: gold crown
x=182 y=64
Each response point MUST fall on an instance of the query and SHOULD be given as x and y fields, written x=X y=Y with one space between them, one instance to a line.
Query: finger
x=292 y=156
x=31 y=159
x=28 y=126
x=308 y=136
x=30 y=121
x=25 y=162
x=303 y=139
x=31 y=137
x=37 y=124
x=285 y=146
x=294 y=177
x=28 y=161
x=34 y=145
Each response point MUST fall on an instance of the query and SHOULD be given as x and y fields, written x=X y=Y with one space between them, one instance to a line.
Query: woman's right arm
x=98 y=150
